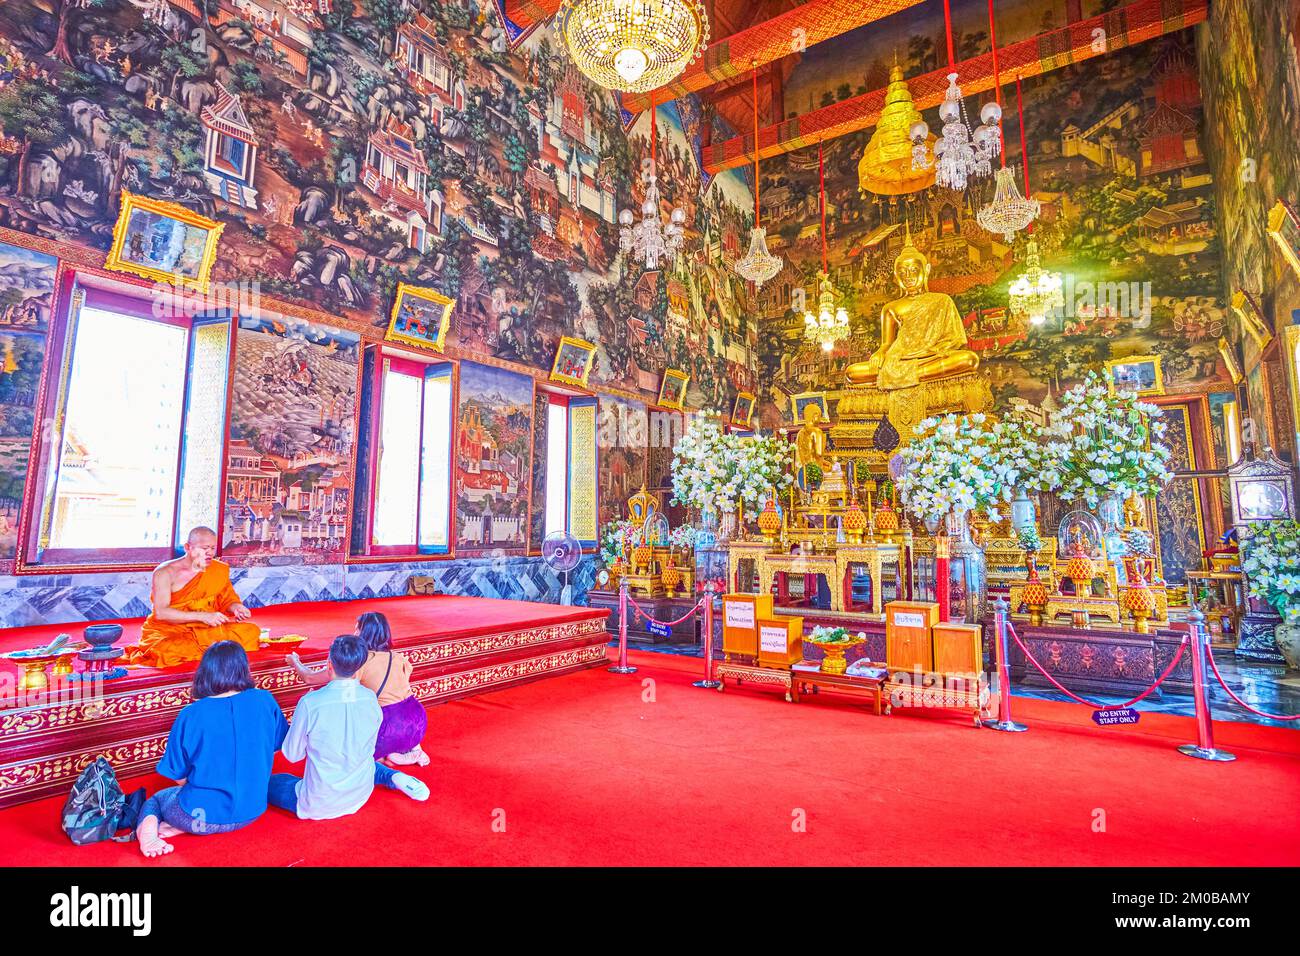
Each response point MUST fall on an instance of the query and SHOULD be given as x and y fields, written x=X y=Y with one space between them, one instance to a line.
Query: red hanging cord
x=821 y=178
x=997 y=80
x=947 y=25
x=755 y=72
x=654 y=136
x=1024 y=153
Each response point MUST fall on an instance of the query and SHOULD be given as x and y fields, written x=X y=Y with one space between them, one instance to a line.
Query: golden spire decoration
x=886 y=164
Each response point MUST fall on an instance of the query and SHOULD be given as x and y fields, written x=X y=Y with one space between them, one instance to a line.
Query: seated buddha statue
x=921 y=334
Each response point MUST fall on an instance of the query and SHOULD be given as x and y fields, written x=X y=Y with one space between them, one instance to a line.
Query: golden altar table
x=834 y=566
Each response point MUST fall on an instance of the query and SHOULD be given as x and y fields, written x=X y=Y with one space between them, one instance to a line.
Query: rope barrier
x=641 y=612
x=1241 y=703
x=1055 y=683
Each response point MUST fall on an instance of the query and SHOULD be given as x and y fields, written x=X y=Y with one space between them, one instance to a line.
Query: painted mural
x=624 y=436
x=289 y=469
x=349 y=146
x=494 y=441
x=1128 y=219
x=26 y=292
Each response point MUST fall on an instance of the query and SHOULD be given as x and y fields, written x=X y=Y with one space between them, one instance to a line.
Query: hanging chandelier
x=1009 y=212
x=1035 y=292
x=633 y=45
x=960 y=155
x=758 y=265
x=831 y=323
x=651 y=240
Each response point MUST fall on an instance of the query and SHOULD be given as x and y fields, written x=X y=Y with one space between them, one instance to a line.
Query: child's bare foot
x=151 y=843
x=402 y=760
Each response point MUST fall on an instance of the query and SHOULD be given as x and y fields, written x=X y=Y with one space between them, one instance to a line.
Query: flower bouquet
x=1270 y=560
x=1106 y=446
x=716 y=471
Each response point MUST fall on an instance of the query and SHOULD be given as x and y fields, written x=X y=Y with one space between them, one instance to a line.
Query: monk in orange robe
x=194 y=606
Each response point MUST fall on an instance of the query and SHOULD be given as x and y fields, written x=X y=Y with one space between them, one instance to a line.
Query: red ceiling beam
x=528 y=13
x=790 y=32
x=1125 y=26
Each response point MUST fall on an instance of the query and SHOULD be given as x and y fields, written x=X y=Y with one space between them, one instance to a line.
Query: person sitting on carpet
x=388 y=674
x=194 y=607
x=334 y=729
x=219 y=751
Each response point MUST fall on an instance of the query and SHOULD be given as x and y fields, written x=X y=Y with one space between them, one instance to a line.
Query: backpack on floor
x=97 y=808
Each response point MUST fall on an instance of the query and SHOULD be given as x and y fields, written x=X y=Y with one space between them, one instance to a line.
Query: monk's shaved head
x=200 y=532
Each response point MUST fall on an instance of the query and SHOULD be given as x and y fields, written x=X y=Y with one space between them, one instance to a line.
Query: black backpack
x=96 y=809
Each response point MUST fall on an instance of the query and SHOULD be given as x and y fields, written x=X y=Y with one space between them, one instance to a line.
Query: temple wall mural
x=1128 y=218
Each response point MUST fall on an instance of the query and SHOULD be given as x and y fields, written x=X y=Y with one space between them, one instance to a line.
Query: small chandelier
x=758 y=265
x=633 y=45
x=1035 y=292
x=830 y=324
x=1007 y=212
x=959 y=154
x=650 y=239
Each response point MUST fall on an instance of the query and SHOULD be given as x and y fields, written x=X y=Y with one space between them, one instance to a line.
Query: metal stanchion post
x=1001 y=650
x=622 y=667
x=708 y=682
x=1204 y=746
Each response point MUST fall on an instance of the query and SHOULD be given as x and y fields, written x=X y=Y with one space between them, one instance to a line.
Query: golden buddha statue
x=921 y=333
x=810 y=443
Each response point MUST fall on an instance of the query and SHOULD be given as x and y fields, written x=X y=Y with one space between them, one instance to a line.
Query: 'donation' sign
x=1109 y=718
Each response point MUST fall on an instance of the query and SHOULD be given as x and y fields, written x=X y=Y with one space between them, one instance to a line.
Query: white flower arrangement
x=1106 y=445
x=715 y=470
x=967 y=462
x=1270 y=560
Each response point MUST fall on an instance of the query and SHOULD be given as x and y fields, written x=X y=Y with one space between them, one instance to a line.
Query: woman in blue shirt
x=219 y=750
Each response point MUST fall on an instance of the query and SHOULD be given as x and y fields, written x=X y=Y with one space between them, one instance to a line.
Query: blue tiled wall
x=70 y=598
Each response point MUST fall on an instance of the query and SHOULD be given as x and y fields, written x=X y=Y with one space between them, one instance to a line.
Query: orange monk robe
x=165 y=643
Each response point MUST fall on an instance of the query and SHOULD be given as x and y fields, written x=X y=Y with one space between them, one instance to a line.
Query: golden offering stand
x=654 y=568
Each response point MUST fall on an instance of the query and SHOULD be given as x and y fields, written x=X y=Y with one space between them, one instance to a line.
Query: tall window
x=140 y=413
x=571 y=467
x=411 y=503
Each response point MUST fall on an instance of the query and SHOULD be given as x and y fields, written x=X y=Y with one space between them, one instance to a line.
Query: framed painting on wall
x=420 y=317
x=743 y=411
x=164 y=242
x=573 y=361
x=672 y=392
x=1139 y=374
x=801 y=401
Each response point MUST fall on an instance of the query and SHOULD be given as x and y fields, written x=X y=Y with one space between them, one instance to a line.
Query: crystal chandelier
x=650 y=239
x=959 y=154
x=1035 y=291
x=758 y=265
x=831 y=324
x=1007 y=212
x=633 y=45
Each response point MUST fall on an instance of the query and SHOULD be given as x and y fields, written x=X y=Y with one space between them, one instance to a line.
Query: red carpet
x=583 y=770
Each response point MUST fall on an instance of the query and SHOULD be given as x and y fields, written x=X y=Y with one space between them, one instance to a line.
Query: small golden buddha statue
x=810 y=443
x=921 y=334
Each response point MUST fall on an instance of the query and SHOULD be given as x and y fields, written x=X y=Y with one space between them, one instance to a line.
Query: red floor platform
x=458 y=645
x=598 y=769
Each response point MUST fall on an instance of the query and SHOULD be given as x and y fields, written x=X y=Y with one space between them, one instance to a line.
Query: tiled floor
x=1267 y=687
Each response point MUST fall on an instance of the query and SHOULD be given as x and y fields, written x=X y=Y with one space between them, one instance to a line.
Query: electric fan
x=562 y=552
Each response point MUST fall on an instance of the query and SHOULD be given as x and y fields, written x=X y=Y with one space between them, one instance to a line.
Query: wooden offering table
x=814 y=681
x=764 y=676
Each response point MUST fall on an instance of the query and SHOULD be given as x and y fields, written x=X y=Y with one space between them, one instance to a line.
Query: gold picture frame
x=1284 y=230
x=573 y=358
x=1139 y=374
x=797 y=403
x=181 y=243
x=1251 y=316
x=420 y=317
x=1229 y=356
x=672 y=390
x=742 y=412
x=1291 y=341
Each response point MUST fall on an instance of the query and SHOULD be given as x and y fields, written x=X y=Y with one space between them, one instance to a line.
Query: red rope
x=756 y=216
x=1024 y=152
x=642 y=612
x=821 y=177
x=947 y=25
x=1142 y=696
x=1259 y=713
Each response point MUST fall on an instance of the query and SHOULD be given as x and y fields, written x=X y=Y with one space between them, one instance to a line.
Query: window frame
x=570 y=398
x=373 y=553
x=75 y=289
